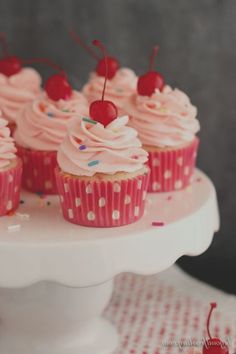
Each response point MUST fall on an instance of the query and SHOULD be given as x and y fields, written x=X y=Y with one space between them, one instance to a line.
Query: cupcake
x=102 y=178
x=167 y=125
x=41 y=127
x=10 y=171
x=121 y=82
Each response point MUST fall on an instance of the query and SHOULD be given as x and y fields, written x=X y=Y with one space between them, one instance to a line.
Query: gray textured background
x=197 y=40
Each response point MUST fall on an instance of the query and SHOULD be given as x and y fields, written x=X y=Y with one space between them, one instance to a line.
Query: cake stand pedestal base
x=48 y=318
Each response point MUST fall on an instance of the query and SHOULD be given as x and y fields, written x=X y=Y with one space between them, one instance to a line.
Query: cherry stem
x=213 y=306
x=3 y=40
x=47 y=62
x=78 y=40
x=99 y=45
x=152 y=57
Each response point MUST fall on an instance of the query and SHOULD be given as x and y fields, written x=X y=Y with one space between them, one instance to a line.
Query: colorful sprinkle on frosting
x=88 y=120
x=93 y=163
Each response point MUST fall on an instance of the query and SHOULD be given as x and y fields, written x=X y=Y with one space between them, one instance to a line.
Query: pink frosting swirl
x=43 y=123
x=92 y=148
x=17 y=90
x=7 y=146
x=166 y=119
x=118 y=89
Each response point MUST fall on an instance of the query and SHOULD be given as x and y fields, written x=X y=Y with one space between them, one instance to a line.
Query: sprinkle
x=158 y=223
x=22 y=201
x=135 y=157
x=50 y=114
x=199 y=179
x=169 y=197
x=83 y=147
x=23 y=216
x=93 y=163
x=14 y=227
x=88 y=120
x=48 y=203
x=119 y=90
x=42 y=107
x=65 y=110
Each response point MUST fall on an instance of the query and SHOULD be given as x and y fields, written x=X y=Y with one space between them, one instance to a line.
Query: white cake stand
x=56 y=277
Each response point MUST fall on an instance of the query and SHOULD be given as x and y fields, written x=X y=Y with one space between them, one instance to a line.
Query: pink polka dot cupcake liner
x=38 y=170
x=172 y=170
x=102 y=203
x=10 y=184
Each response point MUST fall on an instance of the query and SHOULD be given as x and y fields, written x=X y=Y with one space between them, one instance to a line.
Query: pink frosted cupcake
x=166 y=123
x=121 y=82
x=18 y=85
x=41 y=127
x=10 y=171
x=101 y=178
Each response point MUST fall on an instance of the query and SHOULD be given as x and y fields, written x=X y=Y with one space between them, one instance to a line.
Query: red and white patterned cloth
x=166 y=313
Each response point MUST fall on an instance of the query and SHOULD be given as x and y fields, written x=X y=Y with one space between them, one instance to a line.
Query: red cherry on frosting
x=148 y=83
x=213 y=345
x=112 y=63
x=152 y=80
x=113 y=66
x=57 y=87
x=103 y=111
x=10 y=65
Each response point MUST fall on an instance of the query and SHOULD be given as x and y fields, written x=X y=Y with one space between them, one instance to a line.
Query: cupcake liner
x=10 y=183
x=102 y=203
x=172 y=170
x=38 y=170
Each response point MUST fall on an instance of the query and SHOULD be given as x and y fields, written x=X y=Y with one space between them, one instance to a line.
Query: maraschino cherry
x=152 y=80
x=112 y=63
x=103 y=111
x=9 y=65
x=213 y=345
x=56 y=86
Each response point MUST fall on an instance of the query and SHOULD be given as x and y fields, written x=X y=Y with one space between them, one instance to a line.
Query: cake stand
x=56 y=278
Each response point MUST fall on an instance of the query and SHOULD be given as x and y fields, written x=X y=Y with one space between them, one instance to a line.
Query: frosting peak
x=43 y=123
x=7 y=147
x=91 y=148
x=17 y=90
x=166 y=119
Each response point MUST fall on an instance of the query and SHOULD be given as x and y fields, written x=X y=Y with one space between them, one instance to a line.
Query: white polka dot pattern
x=115 y=215
x=167 y=174
x=89 y=189
x=127 y=199
x=70 y=213
x=171 y=169
x=91 y=216
x=178 y=184
x=117 y=187
x=77 y=202
x=101 y=202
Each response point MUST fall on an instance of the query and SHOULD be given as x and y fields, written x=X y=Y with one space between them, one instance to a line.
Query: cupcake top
x=121 y=86
x=17 y=90
x=7 y=146
x=165 y=119
x=42 y=124
x=91 y=148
